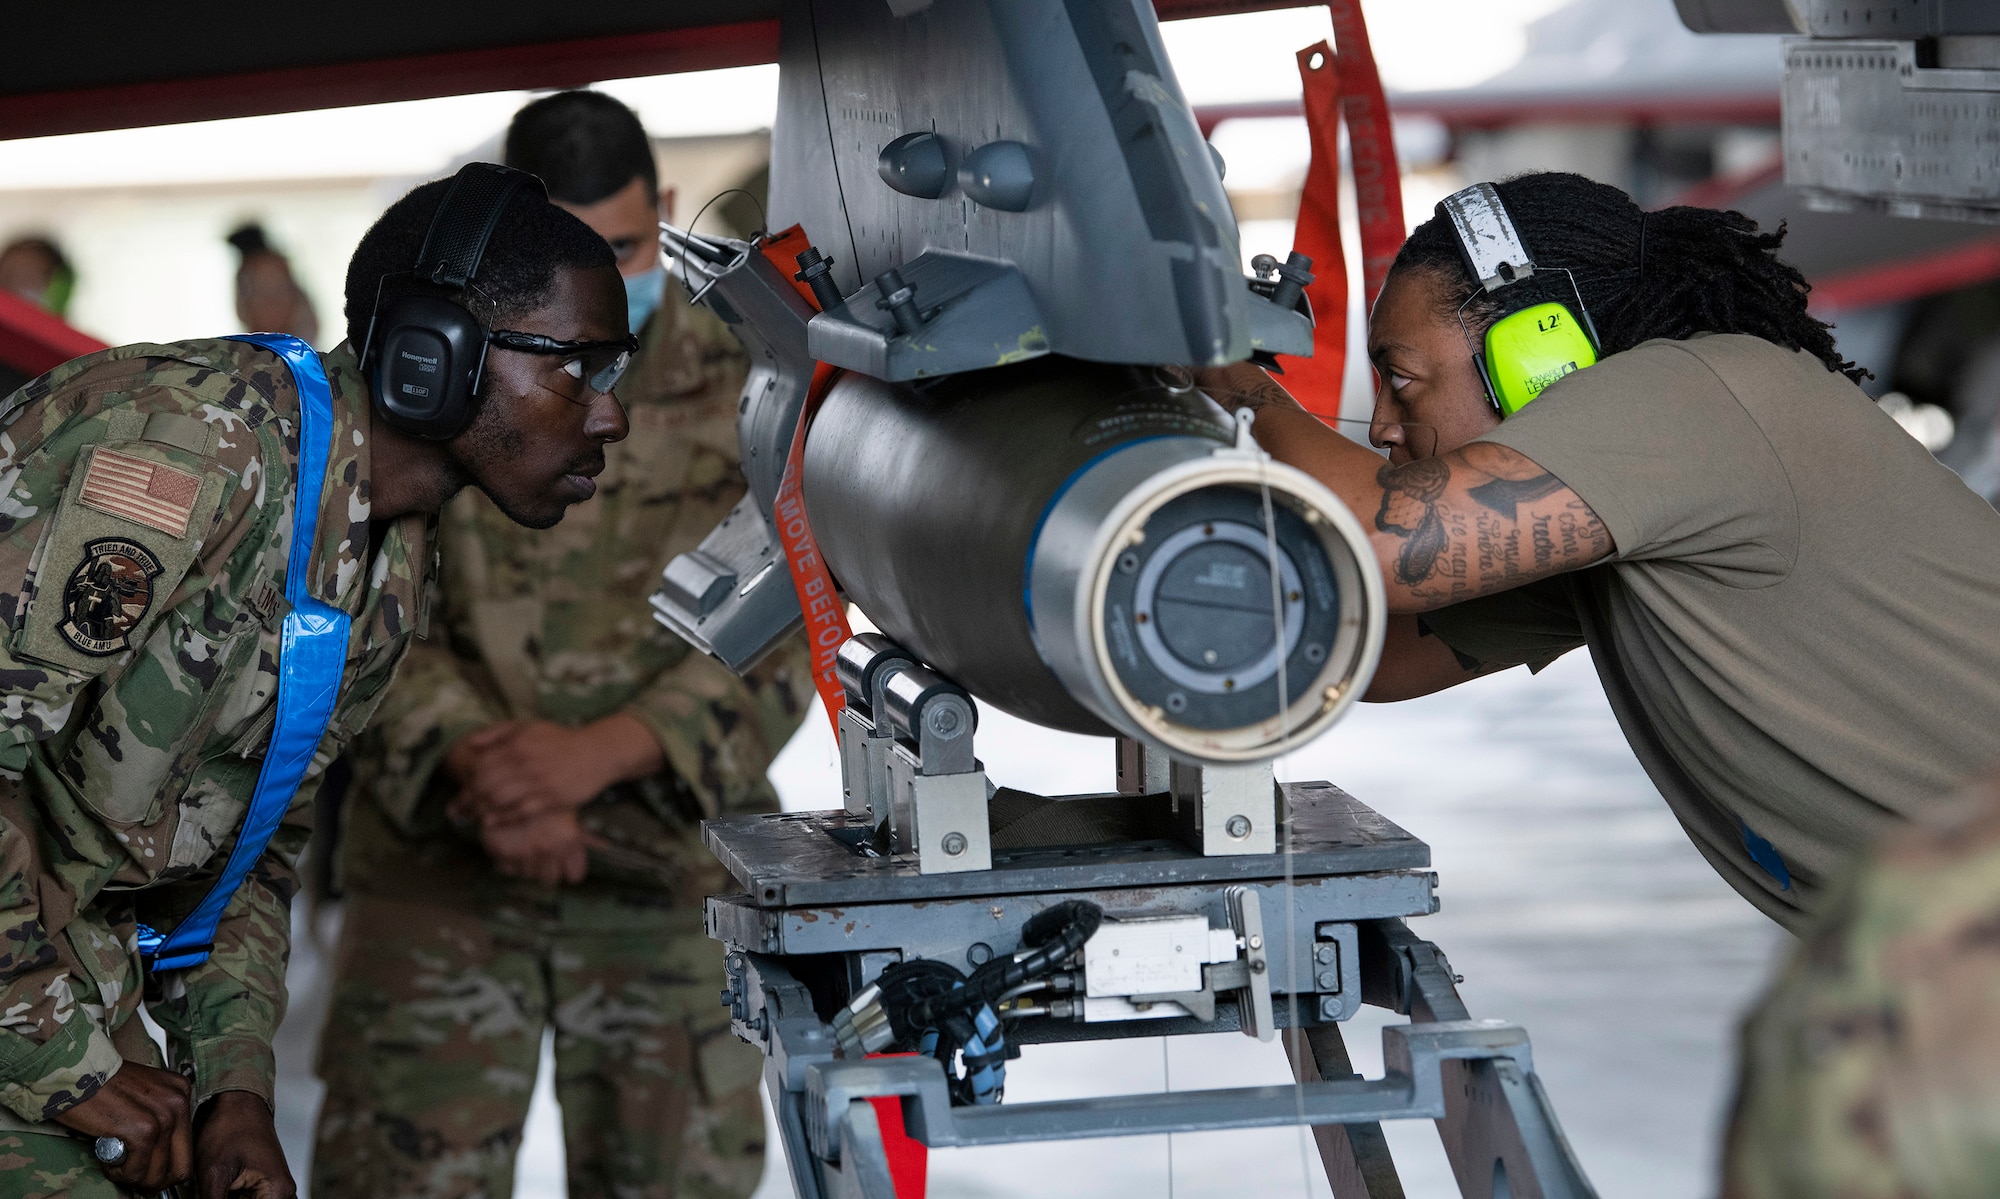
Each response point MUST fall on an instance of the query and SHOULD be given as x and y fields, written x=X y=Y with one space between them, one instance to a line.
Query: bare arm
x=1415 y=664
x=1468 y=523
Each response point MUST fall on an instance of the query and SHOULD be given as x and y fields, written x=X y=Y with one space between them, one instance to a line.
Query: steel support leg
x=1499 y=1129
x=805 y=1169
x=1356 y=1156
x=863 y=1169
x=863 y=1172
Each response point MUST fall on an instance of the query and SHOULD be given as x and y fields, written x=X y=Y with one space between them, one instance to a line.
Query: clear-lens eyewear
x=599 y=364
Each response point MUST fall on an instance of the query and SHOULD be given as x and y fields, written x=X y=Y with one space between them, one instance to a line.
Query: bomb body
x=1086 y=546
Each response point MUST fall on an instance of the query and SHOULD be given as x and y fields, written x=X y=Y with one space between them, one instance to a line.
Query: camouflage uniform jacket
x=553 y=624
x=145 y=521
x=1871 y=1068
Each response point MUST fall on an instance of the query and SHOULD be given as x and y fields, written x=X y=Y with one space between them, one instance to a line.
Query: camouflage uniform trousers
x=430 y=1051
x=33 y=1166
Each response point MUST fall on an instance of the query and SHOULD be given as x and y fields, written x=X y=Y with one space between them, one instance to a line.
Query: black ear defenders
x=1532 y=344
x=425 y=355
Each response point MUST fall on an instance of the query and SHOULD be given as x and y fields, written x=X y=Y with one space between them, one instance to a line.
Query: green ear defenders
x=1539 y=340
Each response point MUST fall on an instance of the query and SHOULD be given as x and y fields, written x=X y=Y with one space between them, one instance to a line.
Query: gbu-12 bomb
x=1091 y=546
x=1088 y=547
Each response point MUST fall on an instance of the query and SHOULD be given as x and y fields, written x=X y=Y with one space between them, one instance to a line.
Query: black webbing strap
x=466 y=219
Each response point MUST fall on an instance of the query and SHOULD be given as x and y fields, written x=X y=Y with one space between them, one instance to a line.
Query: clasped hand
x=521 y=783
x=230 y=1150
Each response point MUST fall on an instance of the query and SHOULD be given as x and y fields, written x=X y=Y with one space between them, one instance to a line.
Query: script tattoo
x=1480 y=520
x=1243 y=386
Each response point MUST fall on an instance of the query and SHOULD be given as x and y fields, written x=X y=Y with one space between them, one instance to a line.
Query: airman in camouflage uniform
x=146 y=501
x=1872 y=1068
x=449 y=972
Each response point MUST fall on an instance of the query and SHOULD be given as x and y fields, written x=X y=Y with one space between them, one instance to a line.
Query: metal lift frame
x=813 y=898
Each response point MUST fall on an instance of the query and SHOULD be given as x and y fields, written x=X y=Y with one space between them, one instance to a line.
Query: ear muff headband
x=1535 y=343
x=425 y=355
x=465 y=221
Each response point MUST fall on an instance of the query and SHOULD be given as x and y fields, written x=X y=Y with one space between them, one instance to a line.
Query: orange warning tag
x=826 y=616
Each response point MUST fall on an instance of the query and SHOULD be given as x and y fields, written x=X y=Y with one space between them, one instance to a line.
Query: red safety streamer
x=909 y=1158
x=1342 y=85
x=1315 y=381
x=1378 y=184
x=825 y=612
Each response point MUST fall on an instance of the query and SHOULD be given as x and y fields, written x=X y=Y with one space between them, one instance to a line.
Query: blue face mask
x=642 y=296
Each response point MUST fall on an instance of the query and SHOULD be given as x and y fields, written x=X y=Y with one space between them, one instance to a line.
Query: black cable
x=763 y=228
x=1056 y=935
x=904 y=986
x=926 y=997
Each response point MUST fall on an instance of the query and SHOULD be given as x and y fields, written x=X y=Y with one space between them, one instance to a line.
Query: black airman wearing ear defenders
x=158 y=537
x=576 y=746
x=1624 y=430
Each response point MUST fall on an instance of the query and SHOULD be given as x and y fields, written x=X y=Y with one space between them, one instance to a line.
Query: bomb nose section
x=1223 y=606
x=1208 y=633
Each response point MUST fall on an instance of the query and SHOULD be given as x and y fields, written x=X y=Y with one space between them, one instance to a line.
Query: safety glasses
x=598 y=364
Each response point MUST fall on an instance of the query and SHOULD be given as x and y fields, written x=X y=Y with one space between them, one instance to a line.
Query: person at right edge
x=1793 y=608
x=522 y=847
x=1868 y=1069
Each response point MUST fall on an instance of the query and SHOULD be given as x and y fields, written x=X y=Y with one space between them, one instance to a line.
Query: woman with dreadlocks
x=1794 y=610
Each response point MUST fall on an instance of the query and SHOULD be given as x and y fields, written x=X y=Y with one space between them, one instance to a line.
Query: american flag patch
x=159 y=497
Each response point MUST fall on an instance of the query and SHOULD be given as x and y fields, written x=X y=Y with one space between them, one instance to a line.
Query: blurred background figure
x=1868 y=1069
x=35 y=269
x=583 y=144
x=268 y=298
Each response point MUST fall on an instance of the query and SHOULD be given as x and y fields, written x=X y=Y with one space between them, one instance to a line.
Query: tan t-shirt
x=1799 y=630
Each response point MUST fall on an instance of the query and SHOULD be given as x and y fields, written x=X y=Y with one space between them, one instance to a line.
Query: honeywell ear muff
x=425 y=355
x=1536 y=340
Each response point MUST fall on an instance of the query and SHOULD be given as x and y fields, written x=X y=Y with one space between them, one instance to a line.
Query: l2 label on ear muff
x=1526 y=351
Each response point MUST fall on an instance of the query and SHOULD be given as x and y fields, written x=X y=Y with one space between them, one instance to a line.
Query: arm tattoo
x=1264 y=393
x=1504 y=495
x=1244 y=386
x=1410 y=495
x=1480 y=520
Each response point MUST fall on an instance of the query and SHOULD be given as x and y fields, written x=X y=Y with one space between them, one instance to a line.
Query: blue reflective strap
x=1766 y=855
x=312 y=653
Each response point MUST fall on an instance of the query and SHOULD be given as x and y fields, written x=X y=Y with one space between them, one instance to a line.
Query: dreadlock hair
x=1672 y=273
x=533 y=240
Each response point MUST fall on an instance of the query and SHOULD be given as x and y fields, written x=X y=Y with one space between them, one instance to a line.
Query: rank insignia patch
x=157 y=496
x=107 y=595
